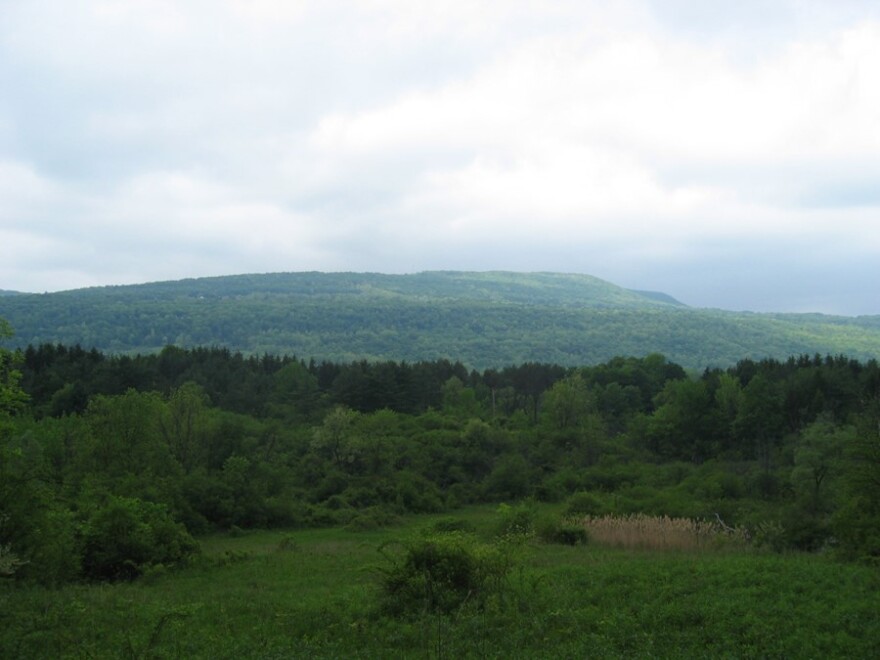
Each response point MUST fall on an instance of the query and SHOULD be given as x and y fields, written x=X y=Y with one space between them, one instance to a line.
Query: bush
x=125 y=536
x=287 y=544
x=443 y=573
x=515 y=521
x=858 y=530
x=553 y=530
x=372 y=519
x=584 y=504
x=450 y=524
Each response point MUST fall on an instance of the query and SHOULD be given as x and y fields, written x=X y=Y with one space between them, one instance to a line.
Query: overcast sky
x=726 y=153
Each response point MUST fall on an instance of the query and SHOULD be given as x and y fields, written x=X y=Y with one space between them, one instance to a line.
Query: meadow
x=318 y=593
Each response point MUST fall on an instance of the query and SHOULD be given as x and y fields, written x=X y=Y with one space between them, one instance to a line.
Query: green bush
x=553 y=530
x=450 y=524
x=444 y=573
x=125 y=536
x=515 y=521
x=371 y=519
x=858 y=530
x=584 y=504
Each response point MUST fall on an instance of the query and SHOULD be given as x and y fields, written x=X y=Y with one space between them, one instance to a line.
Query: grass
x=313 y=593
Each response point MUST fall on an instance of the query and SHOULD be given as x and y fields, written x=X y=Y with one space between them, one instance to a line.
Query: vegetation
x=215 y=499
x=249 y=597
x=484 y=320
x=644 y=532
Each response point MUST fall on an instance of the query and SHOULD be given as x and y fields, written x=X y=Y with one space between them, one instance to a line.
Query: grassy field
x=316 y=593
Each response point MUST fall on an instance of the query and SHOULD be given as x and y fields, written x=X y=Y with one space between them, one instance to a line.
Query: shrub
x=287 y=544
x=584 y=504
x=770 y=535
x=9 y=561
x=858 y=529
x=450 y=524
x=125 y=536
x=553 y=530
x=443 y=573
x=515 y=521
x=371 y=519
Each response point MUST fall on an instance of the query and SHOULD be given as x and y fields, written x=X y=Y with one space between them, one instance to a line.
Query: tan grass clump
x=643 y=532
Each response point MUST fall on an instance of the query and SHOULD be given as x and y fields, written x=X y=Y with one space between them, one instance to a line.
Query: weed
x=129 y=650
x=287 y=544
x=450 y=524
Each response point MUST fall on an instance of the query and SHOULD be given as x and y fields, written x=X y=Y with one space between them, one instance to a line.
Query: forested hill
x=483 y=319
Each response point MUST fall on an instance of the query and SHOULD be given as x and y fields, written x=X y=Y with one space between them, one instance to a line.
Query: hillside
x=483 y=319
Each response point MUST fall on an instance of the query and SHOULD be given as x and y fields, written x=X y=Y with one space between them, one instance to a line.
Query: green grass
x=314 y=593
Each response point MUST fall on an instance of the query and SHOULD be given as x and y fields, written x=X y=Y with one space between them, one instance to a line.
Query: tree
x=294 y=388
x=568 y=402
x=126 y=433
x=685 y=423
x=12 y=397
x=857 y=523
x=458 y=400
x=36 y=535
x=333 y=438
x=728 y=402
x=817 y=457
x=183 y=423
x=760 y=424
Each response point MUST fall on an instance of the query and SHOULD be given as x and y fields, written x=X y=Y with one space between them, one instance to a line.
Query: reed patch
x=643 y=532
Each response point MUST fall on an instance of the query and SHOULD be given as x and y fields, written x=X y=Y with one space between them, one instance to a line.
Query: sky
x=726 y=153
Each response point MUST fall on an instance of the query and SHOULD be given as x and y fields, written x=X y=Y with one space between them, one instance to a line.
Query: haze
x=725 y=153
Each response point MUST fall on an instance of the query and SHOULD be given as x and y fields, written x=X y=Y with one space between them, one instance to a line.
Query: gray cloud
x=726 y=156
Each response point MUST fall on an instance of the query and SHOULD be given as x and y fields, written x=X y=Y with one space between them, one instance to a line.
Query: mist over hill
x=485 y=319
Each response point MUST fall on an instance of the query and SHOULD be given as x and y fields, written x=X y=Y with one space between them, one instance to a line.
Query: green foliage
x=484 y=319
x=12 y=397
x=857 y=523
x=123 y=537
x=444 y=573
x=510 y=479
x=248 y=599
x=584 y=504
x=552 y=529
x=223 y=441
x=515 y=522
x=817 y=459
x=450 y=524
x=567 y=402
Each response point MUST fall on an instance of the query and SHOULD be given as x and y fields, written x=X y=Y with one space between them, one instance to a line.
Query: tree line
x=110 y=464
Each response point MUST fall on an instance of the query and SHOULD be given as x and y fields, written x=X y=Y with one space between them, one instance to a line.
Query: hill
x=483 y=319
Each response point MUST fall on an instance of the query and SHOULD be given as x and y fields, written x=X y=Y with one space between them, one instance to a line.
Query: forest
x=184 y=442
x=484 y=320
x=202 y=502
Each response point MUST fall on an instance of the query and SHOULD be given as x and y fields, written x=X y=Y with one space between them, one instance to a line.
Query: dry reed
x=643 y=532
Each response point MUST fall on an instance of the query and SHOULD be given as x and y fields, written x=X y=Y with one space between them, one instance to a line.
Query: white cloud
x=393 y=135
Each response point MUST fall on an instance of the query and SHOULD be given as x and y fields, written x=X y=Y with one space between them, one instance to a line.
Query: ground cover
x=316 y=593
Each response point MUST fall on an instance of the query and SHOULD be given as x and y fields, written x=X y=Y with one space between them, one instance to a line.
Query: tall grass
x=643 y=532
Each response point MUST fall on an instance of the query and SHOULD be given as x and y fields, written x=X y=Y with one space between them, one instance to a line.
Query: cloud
x=628 y=140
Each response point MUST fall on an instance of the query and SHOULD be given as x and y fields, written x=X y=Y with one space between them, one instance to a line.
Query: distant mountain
x=661 y=297
x=488 y=319
x=6 y=292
